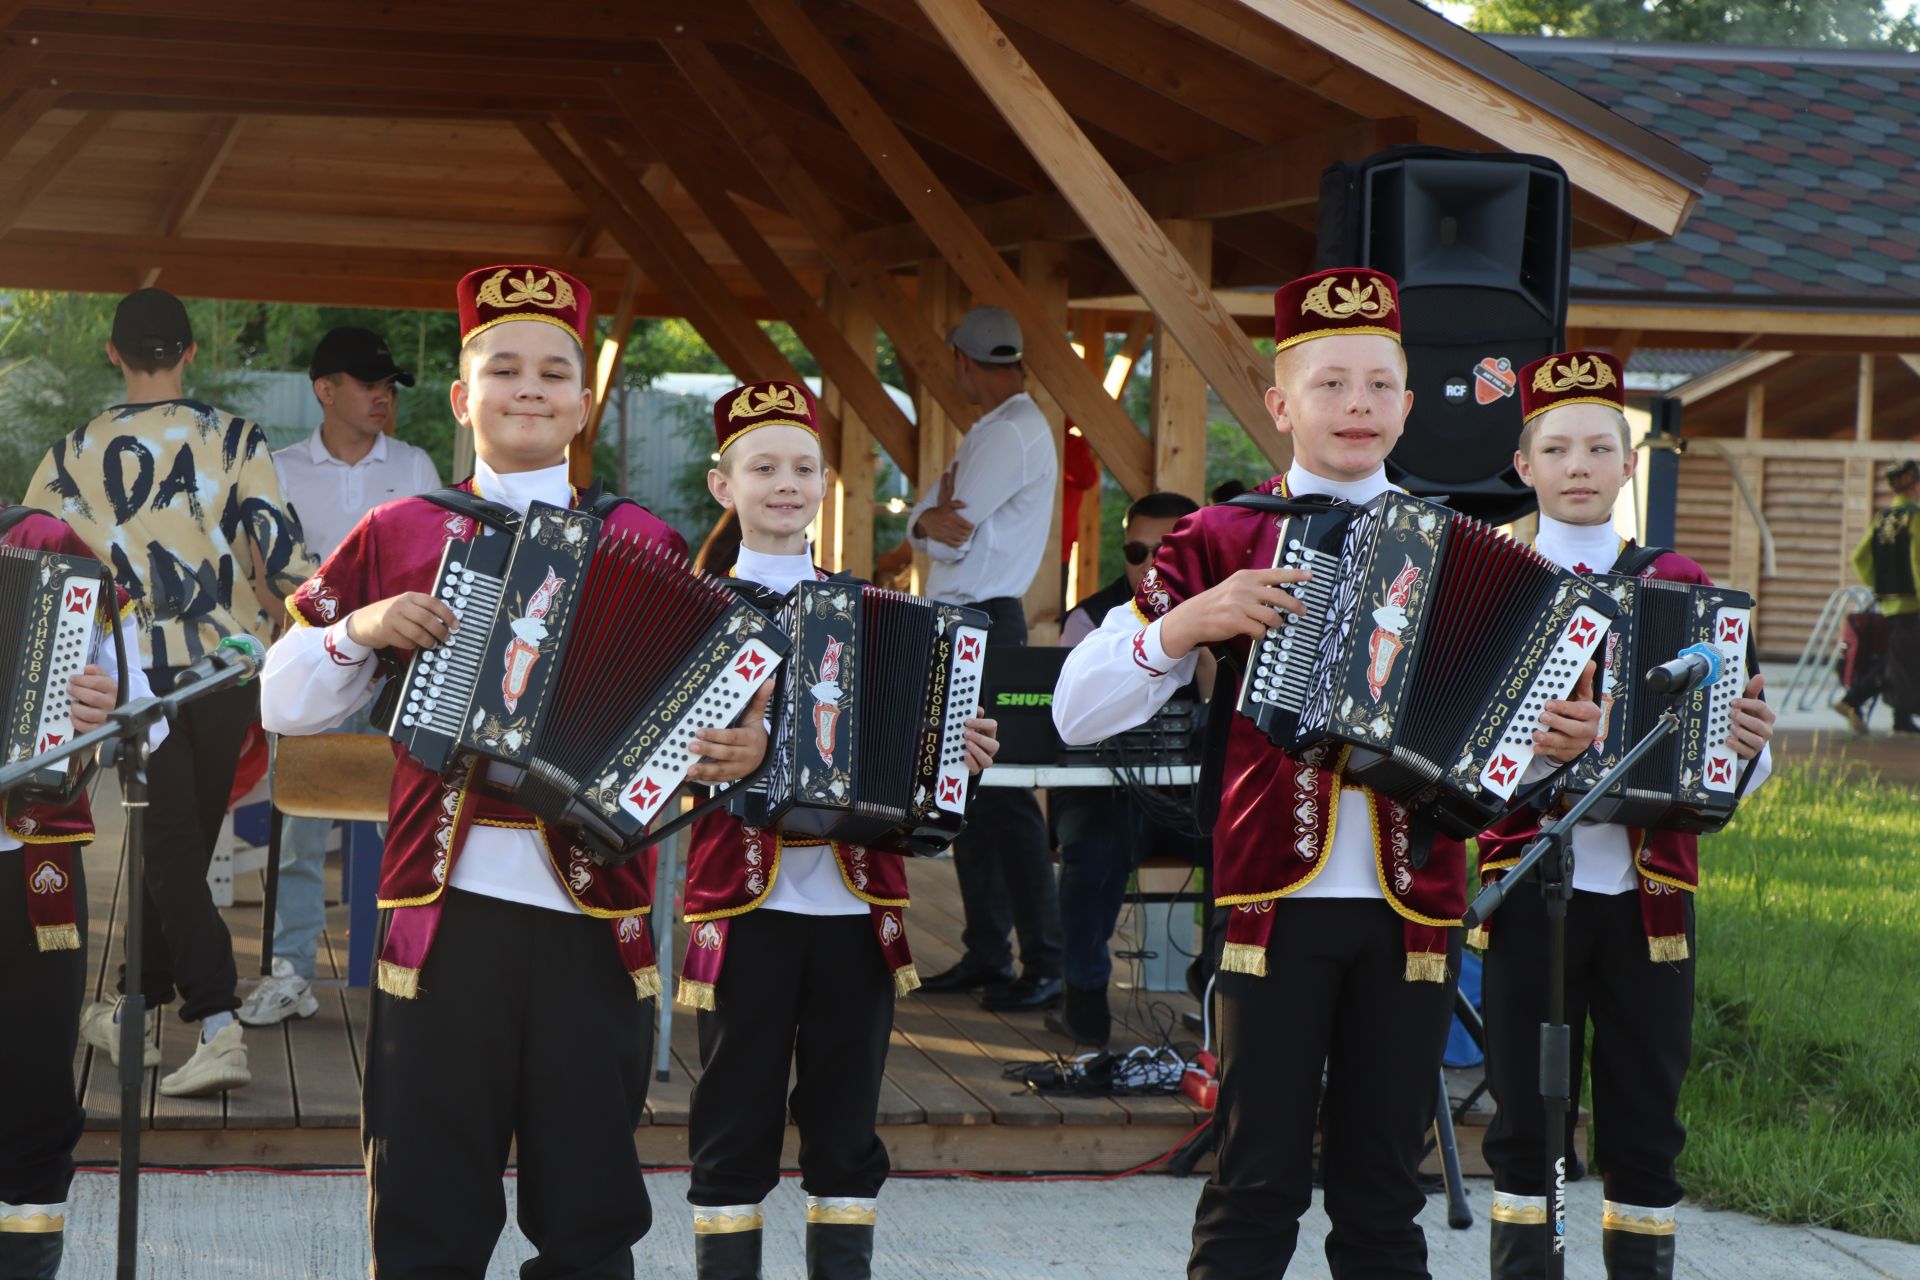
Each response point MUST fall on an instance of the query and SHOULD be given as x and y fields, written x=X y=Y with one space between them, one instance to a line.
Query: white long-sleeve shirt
x=1603 y=852
x=316 y=677
x=807 y=880
x=102 y=656
x=1007 y=473
x=1103 y=690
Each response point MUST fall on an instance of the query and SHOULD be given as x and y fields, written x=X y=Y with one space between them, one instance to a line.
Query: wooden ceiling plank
x=20 y=197
x=1048 y=353
x=839 y=362
x=586 y=22
x=918 y=343
x=22 y=113
x=1183 y=302
x=201 y=170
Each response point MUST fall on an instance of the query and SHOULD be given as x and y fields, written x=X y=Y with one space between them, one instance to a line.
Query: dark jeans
x=1895 y=675
x=185 y=946
x=1001 y=859
x=1103 y=836
x=40 y=1002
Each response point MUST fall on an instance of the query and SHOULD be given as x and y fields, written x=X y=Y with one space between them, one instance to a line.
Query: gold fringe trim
x=1523 y=1215
x=1478 y=937
x=906 y=979
x=57 y=937
x=646 y=982
x=726 y=1224
x=1426 y=966
x=32 y=1223
x=1638 y=1224
x=1668 y=950
x=1244 y=957
x=848 y=1216
x=399 y=981
x=695 y=995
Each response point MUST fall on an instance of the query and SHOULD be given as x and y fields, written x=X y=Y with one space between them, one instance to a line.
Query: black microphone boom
x=1697 y=665
x=239 y=650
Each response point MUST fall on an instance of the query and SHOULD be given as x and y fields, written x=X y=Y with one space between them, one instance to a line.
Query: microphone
x=1697 y=664
x=240 y=650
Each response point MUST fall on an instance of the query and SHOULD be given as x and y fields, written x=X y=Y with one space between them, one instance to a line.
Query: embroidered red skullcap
x=495 y=295
x=774 y=403
x=1571 y=377
x=1343 y=300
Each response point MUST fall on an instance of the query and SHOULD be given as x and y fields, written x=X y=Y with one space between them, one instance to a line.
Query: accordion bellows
x=1430 y=644
x=50 y=616
x=588 y=660
x=869 y=728
x=1691 y=781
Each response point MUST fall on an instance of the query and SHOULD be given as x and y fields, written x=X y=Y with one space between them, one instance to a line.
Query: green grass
x=1803 y=1104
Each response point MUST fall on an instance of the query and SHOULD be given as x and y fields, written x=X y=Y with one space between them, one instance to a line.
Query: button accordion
x=1691 y=781
x=1430 y=643
x=589 y=660
x=53 y=607
x=869 y=744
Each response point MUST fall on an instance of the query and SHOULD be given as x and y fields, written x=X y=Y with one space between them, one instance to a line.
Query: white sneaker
x=98 y=1029
x=285 y=995
x=216 y=1065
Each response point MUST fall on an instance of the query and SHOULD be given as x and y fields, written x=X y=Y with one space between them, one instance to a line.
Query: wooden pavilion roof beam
x=1183 y=302
x=656 y=244
x=839 y=362
x=919 y=345
x=201 y=170
x=1048 y=353
x=591 y=27
x=21 y=196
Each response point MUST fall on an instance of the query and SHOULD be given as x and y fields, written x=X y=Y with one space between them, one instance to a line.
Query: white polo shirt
x=1007 y=474
x=329 y=496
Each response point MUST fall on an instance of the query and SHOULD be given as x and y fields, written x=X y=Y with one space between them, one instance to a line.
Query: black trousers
x=1336 y=997
x=807 y=992
x=525 y=1029
x=1642 y=1016
x=40 y=995
x=1895 y=675
x=185 y=946
x=1002 y=858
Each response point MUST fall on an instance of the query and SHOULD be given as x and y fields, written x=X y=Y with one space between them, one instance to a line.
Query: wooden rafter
x=20 y=198
x=917 y=343
x=1048 y=352
x=1183 y=302
x=195 y=181
x=851 y=373
x=22 y=113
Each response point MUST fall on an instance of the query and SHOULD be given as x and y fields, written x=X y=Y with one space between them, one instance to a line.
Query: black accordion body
x=1430 y=644
x=52 y=609
x=587 y=659
x=869 y=727
x=1691 y=781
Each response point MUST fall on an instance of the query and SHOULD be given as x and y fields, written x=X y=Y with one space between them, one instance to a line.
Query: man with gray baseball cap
x=984 y=527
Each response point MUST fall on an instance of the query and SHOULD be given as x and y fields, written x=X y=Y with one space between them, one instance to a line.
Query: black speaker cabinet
x=1479 y=244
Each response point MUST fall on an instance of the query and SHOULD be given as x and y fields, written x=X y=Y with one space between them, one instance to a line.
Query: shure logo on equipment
x=1023 y=700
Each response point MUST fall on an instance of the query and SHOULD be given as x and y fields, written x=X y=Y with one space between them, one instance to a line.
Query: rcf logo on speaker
x=1494 y=380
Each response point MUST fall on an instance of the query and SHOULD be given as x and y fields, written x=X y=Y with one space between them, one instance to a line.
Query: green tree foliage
x=1793 y=23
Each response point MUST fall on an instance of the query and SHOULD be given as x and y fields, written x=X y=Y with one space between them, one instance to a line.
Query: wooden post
x=941 y=302
x=1086 y=547
x=1744 y=551
x=1863 y=401
x=851 y=492
x=1179 y=390
x=1043 y=270
x=1756 y=409
x=606 y=372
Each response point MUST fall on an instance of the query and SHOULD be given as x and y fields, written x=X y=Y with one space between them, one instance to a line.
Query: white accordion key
x=73 y=636
x=963 y=694
x=1721 y=769
x=1509 y=759
x=649 y=787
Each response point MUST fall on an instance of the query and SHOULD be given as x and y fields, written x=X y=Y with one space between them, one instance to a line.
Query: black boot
x=1517 y=1245
x=839 y=1251
x=1637 y=1243
x=726 y=1243
x=1084 y=1017
x=31 y=1255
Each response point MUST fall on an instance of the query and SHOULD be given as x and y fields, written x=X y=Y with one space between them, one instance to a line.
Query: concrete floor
x=291 y=1227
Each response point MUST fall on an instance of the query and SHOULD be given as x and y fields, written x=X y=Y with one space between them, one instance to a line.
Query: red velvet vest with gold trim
x=1278 y=817
x=50 y=833
x=1667 y=862
x=396 y=549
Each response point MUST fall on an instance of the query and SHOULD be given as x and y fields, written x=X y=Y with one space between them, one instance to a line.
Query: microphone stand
x=1550 y=859
x=127 y=729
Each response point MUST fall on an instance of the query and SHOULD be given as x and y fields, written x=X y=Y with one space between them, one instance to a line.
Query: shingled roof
x=1815 y=193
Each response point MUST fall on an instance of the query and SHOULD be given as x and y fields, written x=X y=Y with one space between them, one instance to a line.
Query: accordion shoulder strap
x=1636 y=559
x=473 y=506
x=597 y=502
x=1275 y=505
x=14 y=515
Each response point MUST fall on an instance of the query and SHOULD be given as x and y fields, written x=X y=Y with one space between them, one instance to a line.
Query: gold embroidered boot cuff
x=1426 y=966
x=906 y=979
x=1668 y=950
x=725 y=1220
x=57 y=937
x=1525 y=1211
x=1244 y=957
x=842 y=1211
x=646 y=982
x=32 y=1219
x=1637 y=1219
x=695 y=995
x=399 y=981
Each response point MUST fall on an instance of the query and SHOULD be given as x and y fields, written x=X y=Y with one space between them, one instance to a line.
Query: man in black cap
x=182 y=500
x=351 y=464
x=1888 y=560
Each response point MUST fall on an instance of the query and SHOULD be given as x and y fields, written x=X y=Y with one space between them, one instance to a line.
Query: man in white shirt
x=346 y=468
x=1004 y=478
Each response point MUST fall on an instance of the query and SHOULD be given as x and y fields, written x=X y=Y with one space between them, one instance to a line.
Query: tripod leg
x=1459 y=1216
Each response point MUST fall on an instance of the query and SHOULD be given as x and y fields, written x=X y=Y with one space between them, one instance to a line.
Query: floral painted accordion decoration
x=52 y=609
x=1692 y=781
x=587 y=659
x=1430 y=644
x=869 y=727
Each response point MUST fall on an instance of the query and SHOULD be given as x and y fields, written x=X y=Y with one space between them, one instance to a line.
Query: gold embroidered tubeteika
x=1244 y=957
x=550 y=290
x=399 y=981
x=1575 y=375
x=1336 y=302
x=754 y=401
